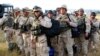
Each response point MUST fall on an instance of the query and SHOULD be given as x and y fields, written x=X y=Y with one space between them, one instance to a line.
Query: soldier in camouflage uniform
x=25 y=25
x=65 y=38
x=94 y=38
x=18 y=36
x=41 y=40
x=84 y=29
x=8 y=30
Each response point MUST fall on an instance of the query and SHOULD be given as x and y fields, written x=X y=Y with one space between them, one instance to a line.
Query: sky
x=53 y=4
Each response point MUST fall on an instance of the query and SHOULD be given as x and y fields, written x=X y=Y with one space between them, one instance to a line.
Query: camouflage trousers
x=25 y=37
x=41 y=46
x=9 y=35
x=94 y=40
x=82 y=45
x=35 y=45
x=19 y=40
x=30 y=48
x=65 y=43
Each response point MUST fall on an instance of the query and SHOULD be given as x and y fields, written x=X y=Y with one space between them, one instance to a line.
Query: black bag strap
x=17 y=19
x=68 y=17
x=26 y=21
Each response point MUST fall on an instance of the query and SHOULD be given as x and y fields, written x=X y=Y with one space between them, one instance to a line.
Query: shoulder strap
x=84 y=18
x=17 y=19
x=26 y=20
x=68 y=17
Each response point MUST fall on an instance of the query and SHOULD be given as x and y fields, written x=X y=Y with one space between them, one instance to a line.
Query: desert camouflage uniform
x=82 y=40
x=65 y=38
x=94 y=38
x=41 y=40
x=18 y=36
x=8 y=30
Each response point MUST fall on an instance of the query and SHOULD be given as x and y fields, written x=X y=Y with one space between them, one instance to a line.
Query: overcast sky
x=52 y=4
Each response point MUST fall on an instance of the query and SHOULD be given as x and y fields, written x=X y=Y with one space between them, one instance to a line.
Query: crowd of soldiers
x=21 y=27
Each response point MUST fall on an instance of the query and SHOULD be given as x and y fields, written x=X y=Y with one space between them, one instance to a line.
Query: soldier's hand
x=40 y=18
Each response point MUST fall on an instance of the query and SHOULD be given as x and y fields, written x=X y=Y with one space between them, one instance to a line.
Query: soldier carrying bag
x=82 y=28
x=63 y=25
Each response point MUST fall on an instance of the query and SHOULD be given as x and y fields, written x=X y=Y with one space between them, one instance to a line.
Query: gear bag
x=25 y=27
x=54 y=30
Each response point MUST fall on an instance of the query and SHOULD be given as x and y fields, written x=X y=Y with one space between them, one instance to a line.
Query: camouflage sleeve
x=73 y=21
x=31 y=19
x=88 y=25
x=21 y=20
x=1 y=21
x=96 y=24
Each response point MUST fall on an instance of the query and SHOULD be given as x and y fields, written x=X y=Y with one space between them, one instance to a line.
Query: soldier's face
x=76 y=13
x=37 y=13
x=49 y=15
x=17 y=13
x=92 y=16
x=26 y=13
x=80 y=13
x=62 y=11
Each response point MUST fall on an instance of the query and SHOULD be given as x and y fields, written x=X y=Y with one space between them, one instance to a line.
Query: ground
x=4 y=51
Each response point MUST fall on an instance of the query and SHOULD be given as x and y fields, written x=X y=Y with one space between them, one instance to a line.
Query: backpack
x=54 y=30
x=9 y=22
x=15 y=26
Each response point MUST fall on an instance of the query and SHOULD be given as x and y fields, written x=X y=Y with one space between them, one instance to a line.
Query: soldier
x=8 y=30
x=58 y=11
x=25 y=25
x=84 y=29
x=41 y=40
x=17 y=12
x=76 y=13
x=3 y=20
x=65 y=38
x=19 y=39
x=94 y=38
